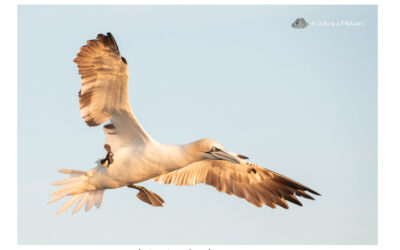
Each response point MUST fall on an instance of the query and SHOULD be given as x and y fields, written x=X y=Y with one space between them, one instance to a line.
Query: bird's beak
x=222 y=155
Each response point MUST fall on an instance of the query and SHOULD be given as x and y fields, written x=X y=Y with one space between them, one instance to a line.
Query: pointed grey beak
x=222 y=155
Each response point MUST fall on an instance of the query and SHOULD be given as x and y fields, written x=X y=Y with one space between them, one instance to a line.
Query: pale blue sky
x=300 y=102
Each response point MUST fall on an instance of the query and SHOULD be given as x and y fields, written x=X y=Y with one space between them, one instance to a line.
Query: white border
x=201 y=2
x=388 y=128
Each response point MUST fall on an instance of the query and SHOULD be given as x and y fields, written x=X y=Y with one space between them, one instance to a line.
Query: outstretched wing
x=246 y=180
x=104 y=92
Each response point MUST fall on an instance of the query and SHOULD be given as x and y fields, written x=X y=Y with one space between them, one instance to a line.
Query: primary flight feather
x=132 y=156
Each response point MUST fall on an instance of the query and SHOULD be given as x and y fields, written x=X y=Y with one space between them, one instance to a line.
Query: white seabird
x=133 y=156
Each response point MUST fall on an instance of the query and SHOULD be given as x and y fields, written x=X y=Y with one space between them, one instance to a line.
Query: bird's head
x=208 y=149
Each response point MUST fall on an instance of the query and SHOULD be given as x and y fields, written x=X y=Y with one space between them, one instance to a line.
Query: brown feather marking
x=252 y=170
x=109 y=126
x=107 y=148
x=91 y=122
x=84 y=99
x=242 y=157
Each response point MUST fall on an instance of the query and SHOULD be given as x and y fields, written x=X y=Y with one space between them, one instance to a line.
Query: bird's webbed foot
x=106 y=162
x=148 y=196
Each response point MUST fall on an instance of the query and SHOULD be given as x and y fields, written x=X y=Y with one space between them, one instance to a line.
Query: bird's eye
x=214 y=148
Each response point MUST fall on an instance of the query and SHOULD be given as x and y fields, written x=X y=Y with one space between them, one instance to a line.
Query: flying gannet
x=133 y=156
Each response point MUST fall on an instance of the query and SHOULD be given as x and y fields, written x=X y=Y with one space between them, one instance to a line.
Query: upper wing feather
x=104 y=92
x=246 y=180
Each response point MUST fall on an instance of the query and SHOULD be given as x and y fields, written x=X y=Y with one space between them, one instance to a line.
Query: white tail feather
x=75 y=186
x=68 y=203
x=80 y=203
x=99 y=199
x=90 y=201
x=72 y=172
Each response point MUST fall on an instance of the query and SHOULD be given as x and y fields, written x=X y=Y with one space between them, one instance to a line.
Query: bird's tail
x=76 y=186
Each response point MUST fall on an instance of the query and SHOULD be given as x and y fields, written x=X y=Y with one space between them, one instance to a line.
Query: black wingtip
x=304 y=194
x=109 y=41
x=313 y=192
x=293 y=200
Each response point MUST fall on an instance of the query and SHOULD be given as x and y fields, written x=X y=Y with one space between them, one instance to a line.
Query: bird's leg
x=106 y=162
x=148 y=196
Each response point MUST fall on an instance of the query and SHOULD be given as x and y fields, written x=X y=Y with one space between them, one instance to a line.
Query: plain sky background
x=300 y=102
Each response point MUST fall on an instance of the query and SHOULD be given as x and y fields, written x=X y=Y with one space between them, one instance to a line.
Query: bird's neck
x=174 y=157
